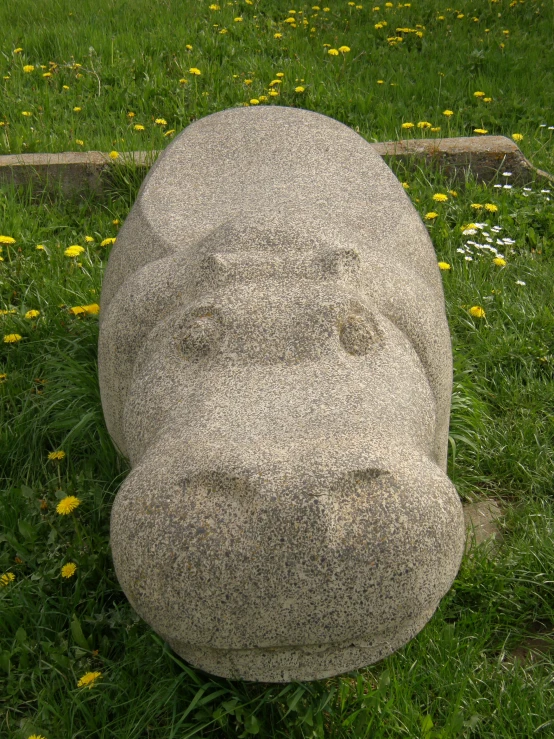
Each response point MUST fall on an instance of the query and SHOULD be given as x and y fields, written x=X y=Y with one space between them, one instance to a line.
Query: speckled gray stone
x=275 y=361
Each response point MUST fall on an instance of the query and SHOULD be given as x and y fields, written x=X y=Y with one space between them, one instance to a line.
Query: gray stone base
x=298 y=663
x=482 y=156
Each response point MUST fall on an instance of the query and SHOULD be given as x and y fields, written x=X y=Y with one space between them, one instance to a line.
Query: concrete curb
x=485 y=157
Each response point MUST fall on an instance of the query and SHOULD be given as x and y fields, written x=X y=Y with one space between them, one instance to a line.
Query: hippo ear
x=214 y=270
x=358 y=329
x=343 y=262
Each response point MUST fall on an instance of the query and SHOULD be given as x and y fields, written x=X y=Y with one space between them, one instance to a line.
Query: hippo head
x=281 y=388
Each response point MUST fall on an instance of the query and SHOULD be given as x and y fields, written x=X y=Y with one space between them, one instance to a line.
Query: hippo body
x=275 y=362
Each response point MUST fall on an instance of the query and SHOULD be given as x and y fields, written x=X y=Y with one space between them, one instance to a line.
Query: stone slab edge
x=485 y=157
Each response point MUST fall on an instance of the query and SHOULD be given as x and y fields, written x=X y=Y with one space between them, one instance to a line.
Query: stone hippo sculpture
x=275 y=362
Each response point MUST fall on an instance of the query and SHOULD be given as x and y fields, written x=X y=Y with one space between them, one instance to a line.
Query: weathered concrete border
x=485 y=157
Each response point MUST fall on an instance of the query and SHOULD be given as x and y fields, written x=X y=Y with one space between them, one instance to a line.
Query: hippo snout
x=312 y=570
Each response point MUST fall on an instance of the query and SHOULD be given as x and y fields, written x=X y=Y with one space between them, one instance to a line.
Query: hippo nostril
x=205 y=484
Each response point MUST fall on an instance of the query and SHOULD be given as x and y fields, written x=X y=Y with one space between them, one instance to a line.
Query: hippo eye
x=357 y=332
x=198 y=335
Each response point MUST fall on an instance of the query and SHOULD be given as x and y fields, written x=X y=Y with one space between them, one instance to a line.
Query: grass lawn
x=469 y=673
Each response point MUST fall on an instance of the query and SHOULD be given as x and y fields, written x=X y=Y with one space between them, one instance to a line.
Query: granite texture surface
x=275 y=362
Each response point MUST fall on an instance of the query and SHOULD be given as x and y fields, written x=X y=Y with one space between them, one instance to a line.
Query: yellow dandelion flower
x=435 y=129
x=453 y=193
x=12 y=338
x=444 y=265
x=405 y=186
x=170 y=132
x=89 y=239
x=275 y=82
x=26 y=113
x=214 y=7
x=37 y=736
x=6 y=579
x=480 y=130
x=290 y=20
x=138 y=127
x=160 y=122
x=32 y=314
x=76 y=109
x=189 y=47
x=299 y=89
x=476 y=311
x=424 y=124
x=88 y=679
x=440 y=197
x=407 y=125
x=263 y=98
x=499 y=261
x=109 y=241
x=491 y=207
x=18 y=50
x=431 y=215
x=28 y=68
x=333 y=52
x=3 y=377
x=476 y=206
x=237 y=20
x=7 y=240
x=77 y=310
x=277 y=35
x=115 y=221
x=93 y=309
x=56 y=456
x=65 y=87
x=479 y=94
x=194 y=70
x=460 y=16
x=273 y=93
x=67 y=505
x=279 y=74
x=380 y=82
x=113 y=154
x=517 y=136
x=448 y=113
x=47 y=74
x=74 y=250
x=254 y=101
x=80 y=142
x=68 y=570
x=344 y=49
